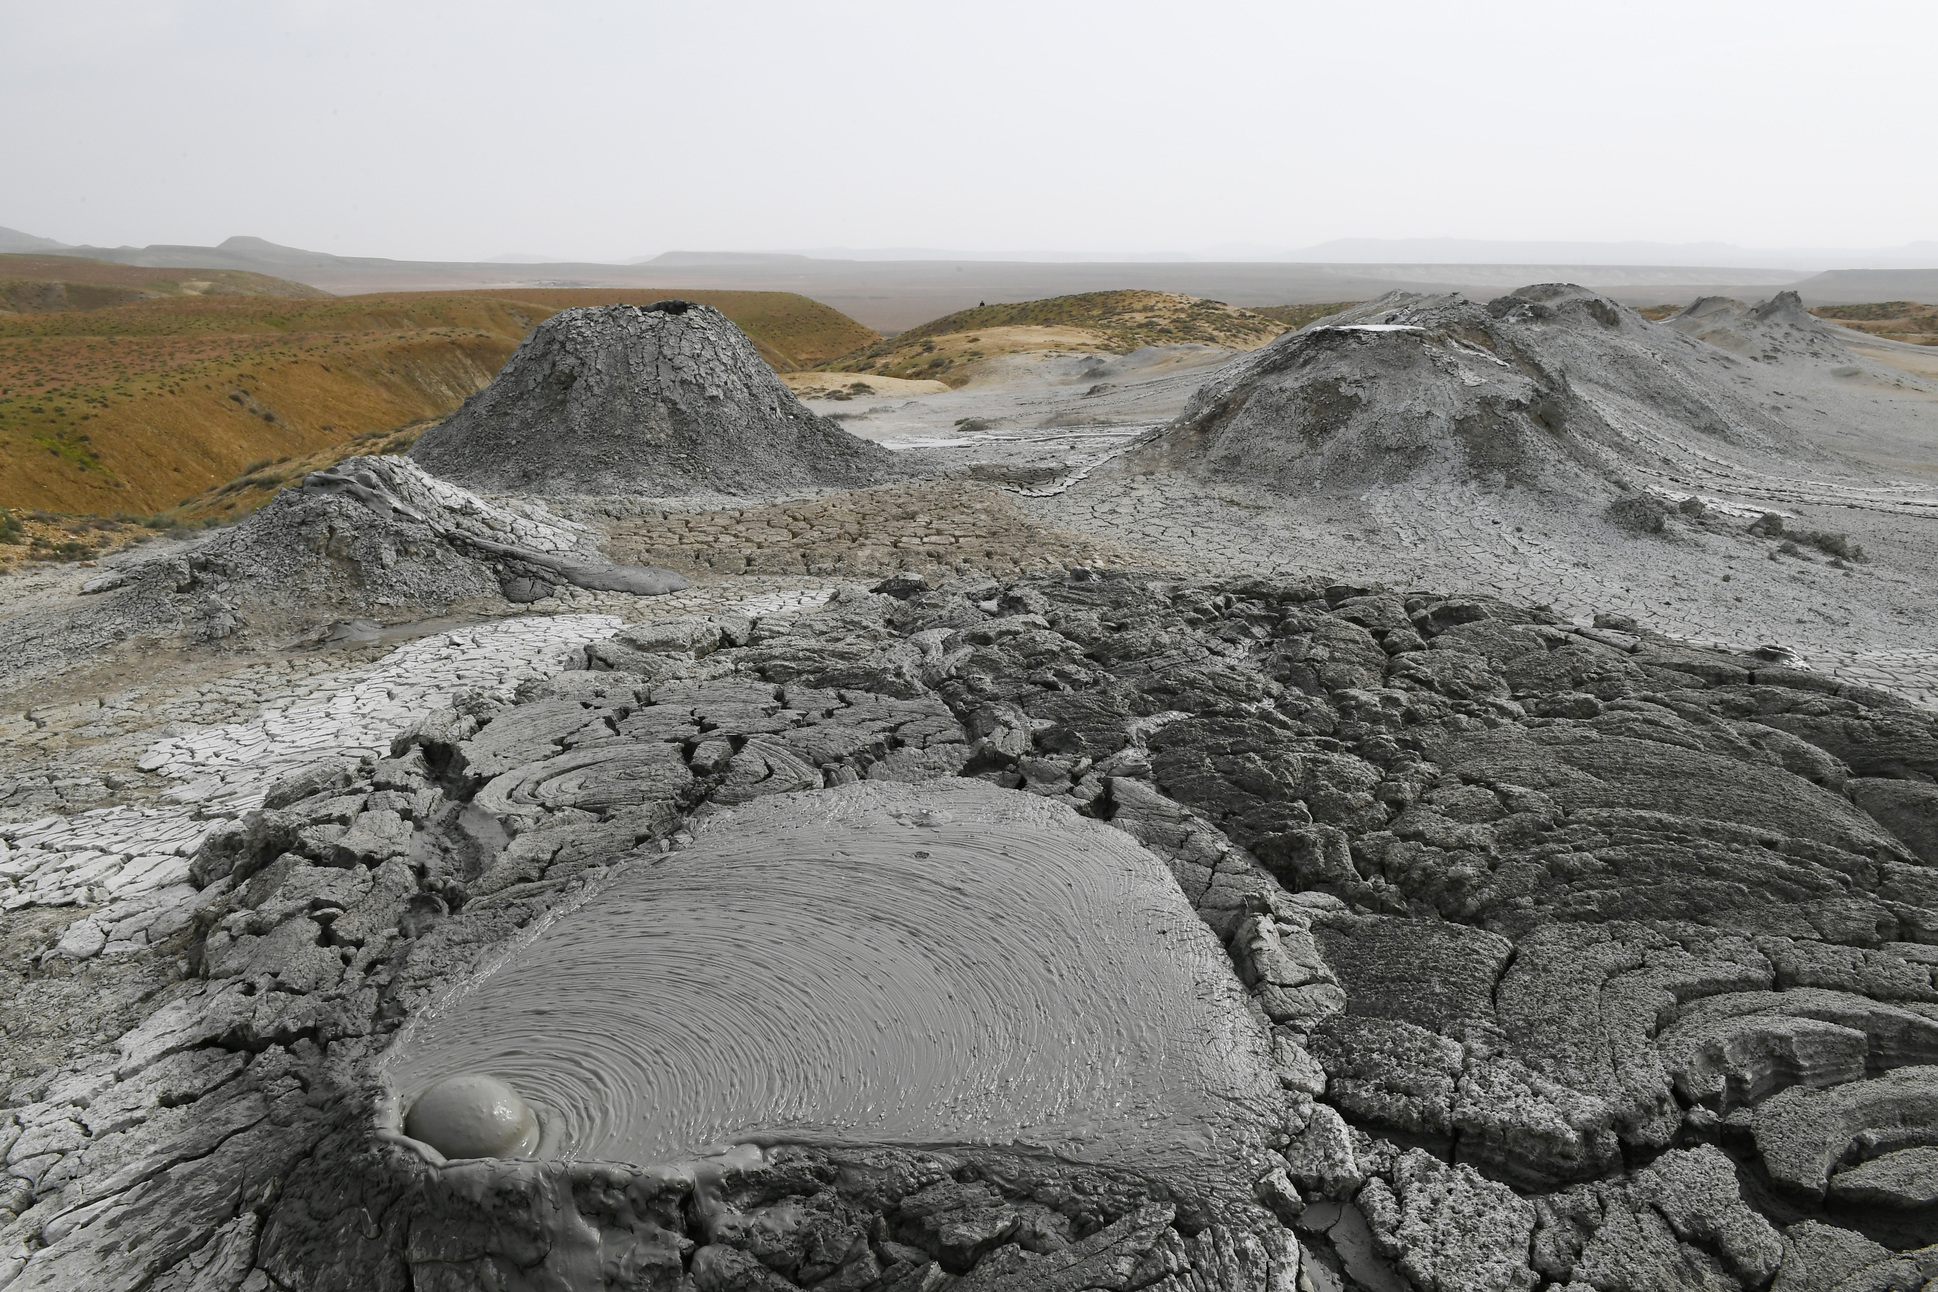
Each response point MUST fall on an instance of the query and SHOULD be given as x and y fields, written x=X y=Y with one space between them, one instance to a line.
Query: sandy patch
x=1919 y=361
x=821 y=385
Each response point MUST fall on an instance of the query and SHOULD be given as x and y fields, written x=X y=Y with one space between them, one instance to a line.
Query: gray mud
x=1561 y=934
x=878 y=964
x=1845 y=390
x=372 y=541
x=1421 y=459
x=1552 y=389
x=662 y=401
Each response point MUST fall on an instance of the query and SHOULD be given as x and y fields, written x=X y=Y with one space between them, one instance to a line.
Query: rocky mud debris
x=659 y=401
x=935 y=527
x=1579 y=958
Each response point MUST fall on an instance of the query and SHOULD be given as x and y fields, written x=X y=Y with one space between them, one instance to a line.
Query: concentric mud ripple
x=602 y=778
x=945 y=963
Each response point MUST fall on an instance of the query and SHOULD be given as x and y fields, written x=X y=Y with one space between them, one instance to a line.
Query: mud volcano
x=1775 y=331
x=882 y=964
x=1552 y=387
x=671 y=399
x=371 y=538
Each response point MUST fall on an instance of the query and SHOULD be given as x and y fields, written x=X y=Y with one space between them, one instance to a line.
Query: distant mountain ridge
x=720 y=258
x=13 y=240
x=251 y=252
x=1390 y=251
x=892 y=294
x=1457 y=251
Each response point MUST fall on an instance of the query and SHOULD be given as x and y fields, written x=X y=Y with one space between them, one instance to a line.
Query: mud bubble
x=473 y=1115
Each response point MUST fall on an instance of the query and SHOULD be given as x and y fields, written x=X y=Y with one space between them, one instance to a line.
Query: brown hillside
x=1895 y=320
x=1297 y=316
x=39 y=284
x=791 y=332
x=952 y=348
x=137 y=408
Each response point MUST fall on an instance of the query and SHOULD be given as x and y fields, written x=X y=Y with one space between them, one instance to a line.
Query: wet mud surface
x=876 y=964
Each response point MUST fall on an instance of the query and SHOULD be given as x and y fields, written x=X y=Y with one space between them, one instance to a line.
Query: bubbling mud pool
x=934 y=964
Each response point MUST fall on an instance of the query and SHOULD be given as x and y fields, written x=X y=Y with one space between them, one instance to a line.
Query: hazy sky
x=609 y=130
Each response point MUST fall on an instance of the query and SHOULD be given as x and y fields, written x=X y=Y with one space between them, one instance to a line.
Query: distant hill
x=39 y=283
x=1476 y=251
x=721 y=258
x=148 y=405
x=1295 y=317
x=1859 y=286
x=1906 y=321
x=950 y=349
x=918 y=285
x=230 y=253
x=14 y=240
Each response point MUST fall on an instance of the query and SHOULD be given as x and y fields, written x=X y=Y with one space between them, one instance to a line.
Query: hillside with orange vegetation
x=953 y=348
x=1294 y=317
x=138 y=408
x=33 y=284
x=1906 y=321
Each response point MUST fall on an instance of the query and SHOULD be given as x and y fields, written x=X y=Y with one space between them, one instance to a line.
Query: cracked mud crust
x=1522 y=907
x=1541 y=902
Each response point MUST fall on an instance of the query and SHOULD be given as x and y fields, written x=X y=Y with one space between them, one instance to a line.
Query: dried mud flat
x=1440 y=877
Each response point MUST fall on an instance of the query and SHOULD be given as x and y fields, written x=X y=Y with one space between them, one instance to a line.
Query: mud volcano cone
x=1552 y=388
x=664 y=400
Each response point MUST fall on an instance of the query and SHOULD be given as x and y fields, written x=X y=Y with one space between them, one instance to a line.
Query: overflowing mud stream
x=880 y=964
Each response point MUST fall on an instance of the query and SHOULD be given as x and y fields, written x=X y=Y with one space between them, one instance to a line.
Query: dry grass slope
x=39 y=284
x=791 y=332
x=1295 y=317
x=142 y=407
x=948 y=349
x=1893 y=320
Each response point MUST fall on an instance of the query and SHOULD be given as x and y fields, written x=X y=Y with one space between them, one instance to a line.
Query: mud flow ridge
x=1552 y=389
x=372 y=541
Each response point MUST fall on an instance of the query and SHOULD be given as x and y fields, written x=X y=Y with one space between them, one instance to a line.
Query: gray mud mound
x=373 y=539
x=378 y=536
x=1770 y=331
x=660 y=401
x=1840 y=388
x=1553 y=388
x=1786 y=340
